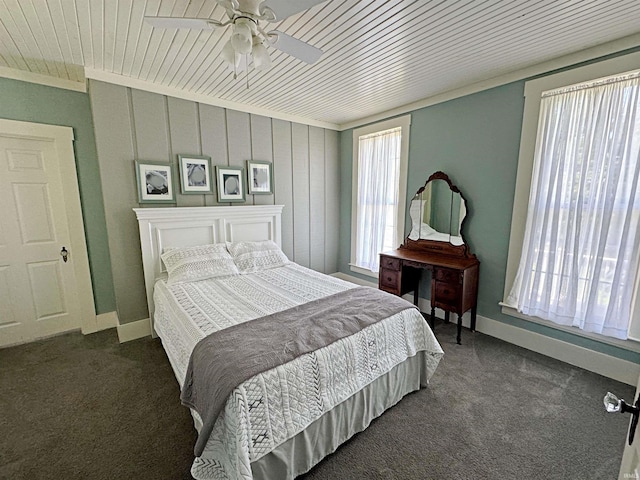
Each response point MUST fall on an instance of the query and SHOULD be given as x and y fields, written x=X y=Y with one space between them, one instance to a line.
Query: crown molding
x=26 y=76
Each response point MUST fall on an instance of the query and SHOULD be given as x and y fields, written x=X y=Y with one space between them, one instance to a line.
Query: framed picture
x=259 y=177
x=155 y=182
x=230 y=184
x=195 y=174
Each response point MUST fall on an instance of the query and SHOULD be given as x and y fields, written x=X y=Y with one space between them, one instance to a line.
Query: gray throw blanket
x=223 y=360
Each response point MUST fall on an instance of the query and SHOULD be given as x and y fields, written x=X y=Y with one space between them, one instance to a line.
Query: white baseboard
x=600 y=363
x=107 y=320
x=134 y=330
x=358 y=281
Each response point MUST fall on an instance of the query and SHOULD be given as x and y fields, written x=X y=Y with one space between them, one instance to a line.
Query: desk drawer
x=389 y=263
x=447 y=293
x=447 y=275
x=389 y=278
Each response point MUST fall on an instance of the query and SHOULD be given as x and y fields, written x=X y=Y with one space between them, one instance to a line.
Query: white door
x=38 y=289
x=630 y=466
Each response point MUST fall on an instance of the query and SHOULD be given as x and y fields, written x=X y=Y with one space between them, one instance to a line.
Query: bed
x=280 y=422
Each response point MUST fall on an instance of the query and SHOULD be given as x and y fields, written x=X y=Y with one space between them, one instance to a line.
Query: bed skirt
x=300 y=453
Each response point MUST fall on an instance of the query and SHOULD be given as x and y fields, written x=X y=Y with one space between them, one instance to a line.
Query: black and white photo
x=230 y=184
x=259 y=176
x=195 y=174
x=155 y=182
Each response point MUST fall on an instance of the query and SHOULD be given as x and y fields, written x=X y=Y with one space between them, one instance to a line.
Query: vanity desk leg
x=473 y=319
x=458 y=336
x=432 y=319
x=446 y=316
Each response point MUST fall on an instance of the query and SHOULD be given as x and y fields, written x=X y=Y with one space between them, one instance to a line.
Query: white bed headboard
x=164 y=228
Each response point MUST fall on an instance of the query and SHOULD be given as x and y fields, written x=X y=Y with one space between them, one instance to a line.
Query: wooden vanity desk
x=454 y=270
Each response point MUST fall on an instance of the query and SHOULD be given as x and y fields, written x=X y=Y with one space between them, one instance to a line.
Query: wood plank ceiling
x=379 y=54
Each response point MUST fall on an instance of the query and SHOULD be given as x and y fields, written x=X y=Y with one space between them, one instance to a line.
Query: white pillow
x=255 y=256
x=191 y=264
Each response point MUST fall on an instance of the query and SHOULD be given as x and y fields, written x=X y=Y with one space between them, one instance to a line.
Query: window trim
x=533 y=92
x=404 y=123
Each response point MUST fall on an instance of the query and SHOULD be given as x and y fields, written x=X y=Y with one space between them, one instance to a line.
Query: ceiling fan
x=248 y=36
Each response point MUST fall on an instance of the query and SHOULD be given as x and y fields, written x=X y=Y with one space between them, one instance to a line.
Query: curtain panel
x=580 y=254
x=378 y=180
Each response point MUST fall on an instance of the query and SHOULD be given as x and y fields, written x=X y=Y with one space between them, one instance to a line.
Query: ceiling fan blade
x=294 y=47
x=178 y=22
x=286 y=8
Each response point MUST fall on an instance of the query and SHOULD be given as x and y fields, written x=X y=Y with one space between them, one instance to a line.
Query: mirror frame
x=445 y=248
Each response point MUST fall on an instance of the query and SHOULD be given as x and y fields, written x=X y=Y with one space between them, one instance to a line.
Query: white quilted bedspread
x=274 y=406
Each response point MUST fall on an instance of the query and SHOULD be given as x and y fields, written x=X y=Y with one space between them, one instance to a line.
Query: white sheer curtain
x=378 y=180
x=580 y=254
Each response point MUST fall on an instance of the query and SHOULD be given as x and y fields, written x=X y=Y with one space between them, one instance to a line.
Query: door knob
x=614 y=404
x=64 y=253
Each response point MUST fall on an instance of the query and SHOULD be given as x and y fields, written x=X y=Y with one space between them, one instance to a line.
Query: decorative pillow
x=198 y=263
x=254 y=256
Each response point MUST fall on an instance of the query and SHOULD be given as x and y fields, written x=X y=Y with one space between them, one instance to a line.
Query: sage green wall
x=35 y=103
x=475 y=140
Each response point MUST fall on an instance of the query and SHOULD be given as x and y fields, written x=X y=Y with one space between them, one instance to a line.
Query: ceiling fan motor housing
x=250 y=7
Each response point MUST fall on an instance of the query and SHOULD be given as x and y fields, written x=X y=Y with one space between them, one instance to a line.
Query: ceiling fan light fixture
x=229 y=55
x=261 y=57
x=242 y=36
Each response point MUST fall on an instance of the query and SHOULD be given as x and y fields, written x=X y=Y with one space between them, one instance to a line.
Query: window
x=380 y=155
x=578 y=265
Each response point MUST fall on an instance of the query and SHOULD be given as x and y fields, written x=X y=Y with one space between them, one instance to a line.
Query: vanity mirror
x=437 y=211
x=435 y=244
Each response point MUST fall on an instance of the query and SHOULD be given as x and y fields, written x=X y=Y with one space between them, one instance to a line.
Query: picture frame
x=230 y=182
x=155 y=182
x=259 y=177
x=195 y=174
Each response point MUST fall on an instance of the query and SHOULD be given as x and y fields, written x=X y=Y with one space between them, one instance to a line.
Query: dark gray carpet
x=76 y=407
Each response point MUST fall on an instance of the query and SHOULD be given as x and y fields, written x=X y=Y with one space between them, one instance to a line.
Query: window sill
x=363 y=271
x=630 y=344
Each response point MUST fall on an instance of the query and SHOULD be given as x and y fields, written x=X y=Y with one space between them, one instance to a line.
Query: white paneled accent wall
x=137 y=125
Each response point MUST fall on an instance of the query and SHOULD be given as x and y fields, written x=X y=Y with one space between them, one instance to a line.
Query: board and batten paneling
x=116 y=148
x=151 y=140
x=239 y=143
x=213 y=136
x=134 y=125
x=262 y=149
x=331 y=200
x=283 y=180
x=301 y=195
x=184 y=135
x=316 y=198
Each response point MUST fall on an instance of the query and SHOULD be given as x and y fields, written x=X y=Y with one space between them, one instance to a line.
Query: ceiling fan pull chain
x=246 y=59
